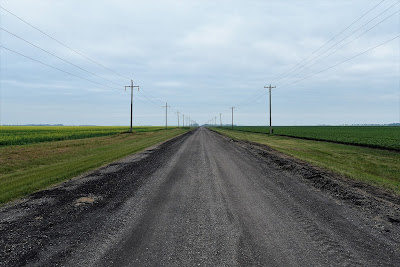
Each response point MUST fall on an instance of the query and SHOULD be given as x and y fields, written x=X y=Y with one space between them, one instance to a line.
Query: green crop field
x=30 y=160
x=387 y=137
x=22 y=135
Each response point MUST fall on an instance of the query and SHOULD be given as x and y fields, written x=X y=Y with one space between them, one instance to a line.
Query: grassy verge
x=377 y=167
x=28 y=168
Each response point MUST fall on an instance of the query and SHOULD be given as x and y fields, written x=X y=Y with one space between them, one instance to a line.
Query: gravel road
x=203 y=199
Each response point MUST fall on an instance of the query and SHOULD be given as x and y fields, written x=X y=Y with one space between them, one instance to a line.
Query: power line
x=344 y=61
x=44 y=50
x=342 y=31
x=340 y=62
x=59 y=68
x=50 y=66
x=254 y=98
x=146 y=103
x=153 y=103
x=293 y=69
x=61 y=43
x=156 y=98
x=345 y=44
x=344 y=39
x=73 y=50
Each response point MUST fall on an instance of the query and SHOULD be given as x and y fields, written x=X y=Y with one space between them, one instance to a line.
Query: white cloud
x=391 y=97
x=169 y=84
x=215 y=34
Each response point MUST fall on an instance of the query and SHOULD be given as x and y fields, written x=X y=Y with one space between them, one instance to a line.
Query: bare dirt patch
x=85 y=200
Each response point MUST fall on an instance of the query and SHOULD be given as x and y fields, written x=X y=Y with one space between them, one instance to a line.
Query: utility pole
x=183 y=120
x=178 y=117
x=220 y=119
x=131 y=86
x=215 y=121
x=232 y=116
x=270 y=120
x=166 y=115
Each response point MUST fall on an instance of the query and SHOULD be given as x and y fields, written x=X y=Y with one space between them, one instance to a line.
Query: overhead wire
x=328 y=68
x=311 y=60
x=345 y=44
x=73 y=50
x=333 y=38
x=44 y=50
x=56 y=68
x=329 y=40
x=150 y=95
x=295 y=67
x=72 y=74
x=153 y=103
x=63 y=44
x=370 y=49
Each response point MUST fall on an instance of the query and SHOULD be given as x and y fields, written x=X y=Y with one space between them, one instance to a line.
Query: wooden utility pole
x=178 y=117
x=131 y=86
x=166 y=115
x=232 y=116
x=220 y=119
x=270 y=119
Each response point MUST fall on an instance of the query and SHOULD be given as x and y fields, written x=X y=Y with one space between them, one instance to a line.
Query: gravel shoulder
x=204 y=199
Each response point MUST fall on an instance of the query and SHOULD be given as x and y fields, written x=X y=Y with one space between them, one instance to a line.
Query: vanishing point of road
x=200 y=199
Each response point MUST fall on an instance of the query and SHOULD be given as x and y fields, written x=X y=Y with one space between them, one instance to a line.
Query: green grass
x=22 y=135
x=27 y=168
x=377 y=167
x=387 y=137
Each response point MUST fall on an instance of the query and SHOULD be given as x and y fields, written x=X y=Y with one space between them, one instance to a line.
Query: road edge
x=132 y=156
x=377 y=202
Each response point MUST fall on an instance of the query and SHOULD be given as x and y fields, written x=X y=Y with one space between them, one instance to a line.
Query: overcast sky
x=201 y=57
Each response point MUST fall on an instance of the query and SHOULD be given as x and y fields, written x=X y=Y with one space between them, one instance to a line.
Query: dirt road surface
x=203 y=199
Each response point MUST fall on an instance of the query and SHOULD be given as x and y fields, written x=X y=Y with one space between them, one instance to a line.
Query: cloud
x=279 y=50
x=395 y=97
x=169 y=84
x=363 y=68
x=213 y=35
